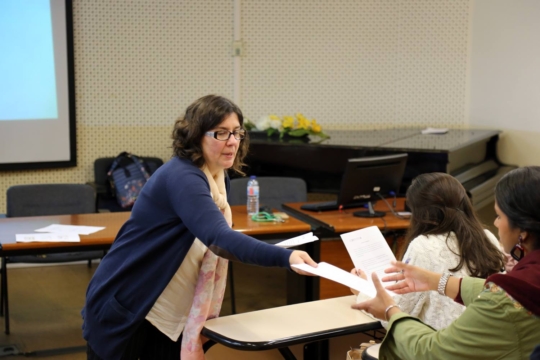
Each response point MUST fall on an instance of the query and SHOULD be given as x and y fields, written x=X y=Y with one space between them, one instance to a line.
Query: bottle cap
x=252 y=177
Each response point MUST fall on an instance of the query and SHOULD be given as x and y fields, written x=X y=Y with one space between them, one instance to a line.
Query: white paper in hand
x=369 y=250
x=341 y=276
x=298 y=240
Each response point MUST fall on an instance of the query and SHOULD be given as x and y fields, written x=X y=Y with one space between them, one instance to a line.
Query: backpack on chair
x=127 y=175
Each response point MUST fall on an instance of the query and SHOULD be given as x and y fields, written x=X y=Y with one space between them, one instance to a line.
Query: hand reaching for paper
x=380 y=303
x=409 y=278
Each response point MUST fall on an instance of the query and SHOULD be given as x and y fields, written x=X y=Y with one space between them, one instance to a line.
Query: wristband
x=442 y=283
x=388 y=309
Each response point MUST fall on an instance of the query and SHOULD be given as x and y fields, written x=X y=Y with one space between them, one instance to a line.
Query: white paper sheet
x=430 y=130
x=369 y=250
x=338 y=275
x=76 y=229
x=48 y=237
x=298 y=240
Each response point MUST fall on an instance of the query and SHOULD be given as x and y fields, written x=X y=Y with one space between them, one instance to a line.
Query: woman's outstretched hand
x=379 y=303
x=301 y=257
x=410 y=278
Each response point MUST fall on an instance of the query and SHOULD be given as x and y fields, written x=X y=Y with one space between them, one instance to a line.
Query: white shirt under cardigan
x=433 y=253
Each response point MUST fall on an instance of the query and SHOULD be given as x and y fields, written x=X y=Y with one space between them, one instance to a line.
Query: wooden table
x=281 y=327
x=112 y=223
x=300 y=286
x=339 y=222
x=329 y=225
x=266 y=230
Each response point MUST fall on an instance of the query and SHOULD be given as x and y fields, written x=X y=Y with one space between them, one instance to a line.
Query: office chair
x=104 y=195
x=273 y=192
x=41 y=200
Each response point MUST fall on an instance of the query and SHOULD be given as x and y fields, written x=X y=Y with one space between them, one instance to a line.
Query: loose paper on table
x=48 y=237
x=76 y=229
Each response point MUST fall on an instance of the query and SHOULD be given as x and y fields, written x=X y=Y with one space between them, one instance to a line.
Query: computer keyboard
x=321 y=206
x=329 y=205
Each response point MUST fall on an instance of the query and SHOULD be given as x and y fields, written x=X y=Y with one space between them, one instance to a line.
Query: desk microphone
x=395 y=198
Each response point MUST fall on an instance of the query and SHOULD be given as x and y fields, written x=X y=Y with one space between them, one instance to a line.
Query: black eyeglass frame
x=235 y=134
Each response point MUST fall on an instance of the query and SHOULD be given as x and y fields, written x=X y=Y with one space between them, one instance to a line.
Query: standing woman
x=445 y=235
x=502 y=318
x=165 y=273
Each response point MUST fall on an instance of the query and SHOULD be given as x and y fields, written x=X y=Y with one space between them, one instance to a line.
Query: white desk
x=284 y=326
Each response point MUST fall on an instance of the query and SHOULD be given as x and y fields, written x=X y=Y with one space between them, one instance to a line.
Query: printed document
x=299 y=240
x=369 y=251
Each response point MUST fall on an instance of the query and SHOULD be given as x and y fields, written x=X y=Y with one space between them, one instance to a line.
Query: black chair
x=105 y=199
x=41 y=200
x=273 y=191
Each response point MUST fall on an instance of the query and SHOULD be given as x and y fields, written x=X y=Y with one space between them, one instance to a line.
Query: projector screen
x=37 y=102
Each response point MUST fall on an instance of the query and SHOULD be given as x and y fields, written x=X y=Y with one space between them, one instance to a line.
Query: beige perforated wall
x=349 y=64
x=357 y=64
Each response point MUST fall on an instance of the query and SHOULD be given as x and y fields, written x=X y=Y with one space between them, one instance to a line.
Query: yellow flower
x=288 y=122
x=316 y=128
x=294 y=126
x=303 y=123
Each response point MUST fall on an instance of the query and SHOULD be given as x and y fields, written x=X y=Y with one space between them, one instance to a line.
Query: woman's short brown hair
x=204 y=115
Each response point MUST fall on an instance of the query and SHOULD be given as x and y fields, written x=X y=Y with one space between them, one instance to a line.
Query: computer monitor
x=367 y=178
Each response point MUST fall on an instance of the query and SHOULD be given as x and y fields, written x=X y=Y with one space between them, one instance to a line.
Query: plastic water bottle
x=252 y=196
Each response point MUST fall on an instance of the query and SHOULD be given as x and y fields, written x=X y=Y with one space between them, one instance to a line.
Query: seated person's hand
x=379 y=306
x=358 y=272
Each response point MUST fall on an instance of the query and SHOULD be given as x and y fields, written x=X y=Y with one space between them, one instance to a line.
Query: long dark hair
x=203 y=115
x=518 y=196
x=440 y=205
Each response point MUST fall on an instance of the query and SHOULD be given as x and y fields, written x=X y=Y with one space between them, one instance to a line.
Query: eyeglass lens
x=225 y=135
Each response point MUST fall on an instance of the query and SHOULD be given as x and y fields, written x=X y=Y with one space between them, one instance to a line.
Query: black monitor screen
x=366 y=177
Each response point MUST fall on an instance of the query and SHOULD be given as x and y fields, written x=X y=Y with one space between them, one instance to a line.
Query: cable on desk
x=391 y=208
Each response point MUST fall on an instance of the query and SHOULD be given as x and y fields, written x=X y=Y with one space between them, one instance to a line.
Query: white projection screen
x=37 y=90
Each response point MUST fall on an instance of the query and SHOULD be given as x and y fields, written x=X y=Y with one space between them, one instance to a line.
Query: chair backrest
x=102 y=165
x=273 y=192
x=50 y=199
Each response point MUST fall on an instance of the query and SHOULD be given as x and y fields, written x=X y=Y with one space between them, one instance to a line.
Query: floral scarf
x=211 y=283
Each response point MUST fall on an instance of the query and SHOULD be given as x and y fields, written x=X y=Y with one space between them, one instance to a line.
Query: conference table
x=112 y=222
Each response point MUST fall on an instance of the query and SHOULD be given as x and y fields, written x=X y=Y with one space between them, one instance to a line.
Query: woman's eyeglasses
x=224 y=135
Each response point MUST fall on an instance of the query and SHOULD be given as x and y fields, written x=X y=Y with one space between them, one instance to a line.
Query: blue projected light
x=27 y=69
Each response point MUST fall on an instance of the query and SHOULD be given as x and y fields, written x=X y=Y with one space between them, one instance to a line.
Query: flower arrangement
x=295 y=126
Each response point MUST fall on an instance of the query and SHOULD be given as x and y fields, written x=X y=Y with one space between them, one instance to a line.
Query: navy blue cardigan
x=173 y=208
